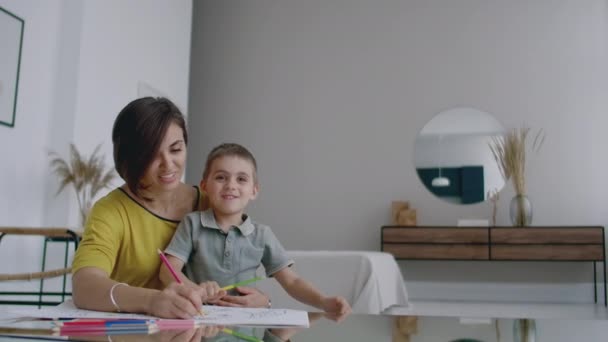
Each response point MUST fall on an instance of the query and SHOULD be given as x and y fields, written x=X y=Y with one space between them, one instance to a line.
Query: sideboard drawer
x=431 y=252
x=548 y=252
x=548 y=235
x=435 y=235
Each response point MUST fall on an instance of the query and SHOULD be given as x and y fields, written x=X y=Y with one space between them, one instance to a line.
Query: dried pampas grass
x=509 y=151
x=87 y=176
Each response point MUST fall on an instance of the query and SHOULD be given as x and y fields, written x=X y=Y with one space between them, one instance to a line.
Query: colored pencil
x=177 y=323
x=140 y=331
x=174 y=274
x=163 y=258
x=241 y=283
x=101 y=322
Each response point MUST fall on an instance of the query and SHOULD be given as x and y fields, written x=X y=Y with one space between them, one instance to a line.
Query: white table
x=370 y=281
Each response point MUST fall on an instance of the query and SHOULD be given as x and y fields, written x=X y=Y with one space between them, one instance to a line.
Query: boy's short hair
x=230 y=149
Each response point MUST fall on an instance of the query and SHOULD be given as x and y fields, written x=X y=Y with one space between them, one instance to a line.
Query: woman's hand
x=336 y=308
x=176 y=301
x=249 y=298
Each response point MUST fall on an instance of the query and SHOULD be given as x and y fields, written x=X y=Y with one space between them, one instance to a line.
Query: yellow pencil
x=241 y=283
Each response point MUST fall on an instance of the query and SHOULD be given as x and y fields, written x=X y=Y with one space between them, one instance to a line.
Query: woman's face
x=167 y=167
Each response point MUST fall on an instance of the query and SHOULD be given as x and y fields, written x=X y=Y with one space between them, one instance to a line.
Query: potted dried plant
x=87 y=176
x=509 y=151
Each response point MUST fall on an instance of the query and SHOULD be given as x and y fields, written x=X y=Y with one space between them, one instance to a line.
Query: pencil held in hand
x=163 y=258
x=242 y=283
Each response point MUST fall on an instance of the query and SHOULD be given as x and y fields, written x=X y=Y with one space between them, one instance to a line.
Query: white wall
x=82 y=62
x=23 y=169
x=330 y=95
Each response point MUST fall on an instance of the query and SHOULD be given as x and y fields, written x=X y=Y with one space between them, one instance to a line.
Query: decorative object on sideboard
x=402 y=214
x=86 y=175
x=509 y=151
x=405 y=326
x=524 y=330
x=494 y=196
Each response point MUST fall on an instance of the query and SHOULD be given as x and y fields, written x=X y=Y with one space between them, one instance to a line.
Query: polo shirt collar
x=208 y=221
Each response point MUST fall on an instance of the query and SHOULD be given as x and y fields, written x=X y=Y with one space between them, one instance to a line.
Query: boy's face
x=230 y=186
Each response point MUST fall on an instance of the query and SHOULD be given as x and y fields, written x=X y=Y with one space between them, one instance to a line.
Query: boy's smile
x=230 y=185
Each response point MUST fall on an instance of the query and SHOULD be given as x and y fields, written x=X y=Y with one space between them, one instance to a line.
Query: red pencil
x=166 y=262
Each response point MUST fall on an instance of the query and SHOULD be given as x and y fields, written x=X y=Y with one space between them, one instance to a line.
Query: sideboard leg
x=594 y=283
x=605 y=297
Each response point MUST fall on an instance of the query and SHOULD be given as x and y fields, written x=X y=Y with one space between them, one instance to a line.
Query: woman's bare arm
x=91 y=290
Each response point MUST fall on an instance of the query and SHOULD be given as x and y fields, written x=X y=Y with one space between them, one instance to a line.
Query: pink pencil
x=176 y=323
x=166 y=262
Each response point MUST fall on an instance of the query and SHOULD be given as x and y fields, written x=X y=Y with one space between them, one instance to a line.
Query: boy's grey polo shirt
x=227 y=258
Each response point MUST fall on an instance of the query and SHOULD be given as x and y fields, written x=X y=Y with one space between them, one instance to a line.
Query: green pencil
x=241 y=336
x=241 y=283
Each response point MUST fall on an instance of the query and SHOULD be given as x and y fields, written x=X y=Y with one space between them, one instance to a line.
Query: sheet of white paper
x=221 y=315
x=214 y=315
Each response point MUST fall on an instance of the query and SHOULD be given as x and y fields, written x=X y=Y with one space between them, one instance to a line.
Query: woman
x=116 y=265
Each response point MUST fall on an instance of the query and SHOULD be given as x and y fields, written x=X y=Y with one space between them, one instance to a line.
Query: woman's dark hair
x=137 y=134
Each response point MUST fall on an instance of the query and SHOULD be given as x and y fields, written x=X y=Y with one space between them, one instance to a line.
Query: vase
x=524 y=330
x=521 y=211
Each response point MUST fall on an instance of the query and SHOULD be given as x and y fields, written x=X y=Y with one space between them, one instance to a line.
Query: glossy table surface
x=433 y=321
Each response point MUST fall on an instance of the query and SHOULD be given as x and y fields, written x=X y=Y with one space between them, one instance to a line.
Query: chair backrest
x=49 y=234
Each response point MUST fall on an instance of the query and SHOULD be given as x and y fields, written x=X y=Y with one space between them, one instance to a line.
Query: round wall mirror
x=453 y=159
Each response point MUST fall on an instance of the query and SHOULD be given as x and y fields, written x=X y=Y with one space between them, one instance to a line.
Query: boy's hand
x=211 y=291
x=336 y=308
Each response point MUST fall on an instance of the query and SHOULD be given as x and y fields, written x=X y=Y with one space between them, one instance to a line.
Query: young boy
x=223 y=244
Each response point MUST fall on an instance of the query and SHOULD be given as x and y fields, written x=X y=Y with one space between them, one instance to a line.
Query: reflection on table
x=45 y=329
x=359 y=327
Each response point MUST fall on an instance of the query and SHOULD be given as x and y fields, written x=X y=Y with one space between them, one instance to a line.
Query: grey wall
x=330 y=95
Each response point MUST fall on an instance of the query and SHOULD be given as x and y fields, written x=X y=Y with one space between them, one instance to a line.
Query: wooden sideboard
x=571 y=243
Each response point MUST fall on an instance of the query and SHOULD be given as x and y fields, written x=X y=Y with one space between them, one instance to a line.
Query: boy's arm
x=299 y=288
x=336 y=308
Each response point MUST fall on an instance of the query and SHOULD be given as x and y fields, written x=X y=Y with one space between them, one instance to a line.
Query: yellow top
x=121 y=238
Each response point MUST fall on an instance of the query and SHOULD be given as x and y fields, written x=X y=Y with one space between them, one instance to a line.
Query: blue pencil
x=101 y=322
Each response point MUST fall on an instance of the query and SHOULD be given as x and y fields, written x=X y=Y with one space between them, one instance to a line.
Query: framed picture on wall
x=11 y=42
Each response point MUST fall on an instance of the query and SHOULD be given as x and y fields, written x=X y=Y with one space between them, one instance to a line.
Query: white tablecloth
x=370 y=281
